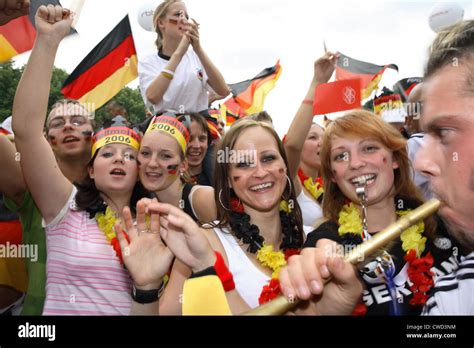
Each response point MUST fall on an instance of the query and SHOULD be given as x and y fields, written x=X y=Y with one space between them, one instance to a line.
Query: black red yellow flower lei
x=275 y=260
x=106 y=222
x=315 y=188
x=413 y=243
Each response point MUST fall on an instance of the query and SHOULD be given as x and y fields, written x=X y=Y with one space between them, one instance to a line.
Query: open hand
x=184 y=237
x=146 y=257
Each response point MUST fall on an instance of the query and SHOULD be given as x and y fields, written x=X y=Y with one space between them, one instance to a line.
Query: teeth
x=118 y=172
x=363 y=179
x=156 y=175
x=261 y=186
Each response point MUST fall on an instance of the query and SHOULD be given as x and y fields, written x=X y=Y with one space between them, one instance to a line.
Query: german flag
x=110 y=66
x=405 y=86
x=348 y=68
x=250 y=95
x=18 y=36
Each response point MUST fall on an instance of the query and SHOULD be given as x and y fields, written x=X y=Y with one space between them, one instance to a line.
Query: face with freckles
x=354 y=160
x=258 y=177
x=160 y=161
x=312 y=147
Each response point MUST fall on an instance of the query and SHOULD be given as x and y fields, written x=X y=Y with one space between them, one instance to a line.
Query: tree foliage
x=10 y=77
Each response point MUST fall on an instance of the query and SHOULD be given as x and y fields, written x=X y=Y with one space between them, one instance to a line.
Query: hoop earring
x=220 y=201
x=289 y=183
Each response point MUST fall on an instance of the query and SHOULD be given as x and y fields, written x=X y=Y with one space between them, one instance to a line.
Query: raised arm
x=299 y=128
x=48 y=186
x=157 y=89
x=216 y=80
x=11 y=179
x=9 y=10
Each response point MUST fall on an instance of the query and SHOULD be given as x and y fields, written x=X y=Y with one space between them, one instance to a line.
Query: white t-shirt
x=310 y=210
x=187 y=91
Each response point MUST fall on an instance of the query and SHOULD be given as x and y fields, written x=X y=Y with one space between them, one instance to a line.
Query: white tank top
x=310 y=210
x=248 y=279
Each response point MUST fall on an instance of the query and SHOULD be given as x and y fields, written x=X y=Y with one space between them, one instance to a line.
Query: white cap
x=395 y=115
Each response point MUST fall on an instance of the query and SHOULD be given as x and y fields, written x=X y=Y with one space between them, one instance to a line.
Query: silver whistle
x=361 y=191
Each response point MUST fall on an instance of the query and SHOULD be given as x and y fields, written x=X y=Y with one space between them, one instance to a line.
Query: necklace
x=275 y=260
x=105 y=222
x=413 y=244
x=315 y=188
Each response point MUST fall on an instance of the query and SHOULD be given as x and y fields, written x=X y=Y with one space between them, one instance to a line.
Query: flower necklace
x=275 y=260
x=315 y=188
x=413 y=244
x=106 y=222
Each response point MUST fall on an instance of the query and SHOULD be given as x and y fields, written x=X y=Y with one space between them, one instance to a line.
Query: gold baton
x=281 y=304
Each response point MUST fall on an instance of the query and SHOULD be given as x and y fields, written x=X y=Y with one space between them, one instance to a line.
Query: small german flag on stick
x=110 y=66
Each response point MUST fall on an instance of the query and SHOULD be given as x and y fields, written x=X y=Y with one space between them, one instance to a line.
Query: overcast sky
x=244 y=36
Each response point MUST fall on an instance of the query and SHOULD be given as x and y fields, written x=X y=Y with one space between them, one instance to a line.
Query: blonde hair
x=453 y=44
x=160 y=13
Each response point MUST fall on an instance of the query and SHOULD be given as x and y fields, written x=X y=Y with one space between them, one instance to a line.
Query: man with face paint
x=68 y=129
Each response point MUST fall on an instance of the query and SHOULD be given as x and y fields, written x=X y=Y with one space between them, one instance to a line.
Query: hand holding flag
x=324 y=67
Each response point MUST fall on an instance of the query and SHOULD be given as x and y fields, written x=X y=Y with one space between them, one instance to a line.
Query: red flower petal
x=359 y=310
x=270 y=291
x=291 y=252
x=236 y=205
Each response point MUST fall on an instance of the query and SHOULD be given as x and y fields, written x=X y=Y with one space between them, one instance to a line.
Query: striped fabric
x=453 y=293
x=84 y=276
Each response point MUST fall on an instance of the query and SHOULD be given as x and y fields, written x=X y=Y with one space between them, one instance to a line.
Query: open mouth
x=261 y=187
x=363 y=179
x=118 y=172
x=194 y=154
x=153 y=175
x=70 y=139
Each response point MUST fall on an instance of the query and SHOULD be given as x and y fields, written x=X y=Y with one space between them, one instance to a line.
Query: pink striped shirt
x=84 y=275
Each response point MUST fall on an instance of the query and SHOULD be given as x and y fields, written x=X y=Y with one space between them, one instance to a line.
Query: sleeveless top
x=249 y=280
x=310 y=210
